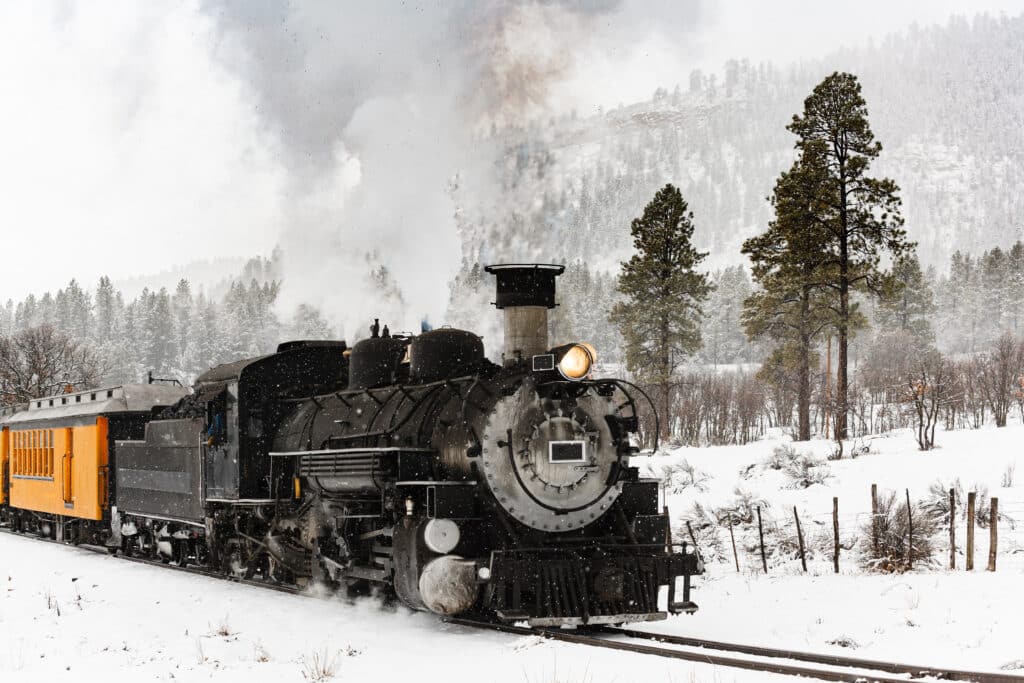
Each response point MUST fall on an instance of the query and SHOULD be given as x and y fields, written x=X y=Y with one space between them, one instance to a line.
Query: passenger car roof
x=127 y=398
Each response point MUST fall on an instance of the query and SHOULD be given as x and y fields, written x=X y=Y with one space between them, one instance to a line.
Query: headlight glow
x=577 y=362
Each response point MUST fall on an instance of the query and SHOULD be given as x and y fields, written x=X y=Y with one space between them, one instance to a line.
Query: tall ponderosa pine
x=794 y=303
x=861 y=218
x=660 y=317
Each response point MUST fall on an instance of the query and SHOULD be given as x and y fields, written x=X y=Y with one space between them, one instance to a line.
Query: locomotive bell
x=525 y=292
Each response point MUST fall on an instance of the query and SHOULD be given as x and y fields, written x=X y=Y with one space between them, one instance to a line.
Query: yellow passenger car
x=58 y=454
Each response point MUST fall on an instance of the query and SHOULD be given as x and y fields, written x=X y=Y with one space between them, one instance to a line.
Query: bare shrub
x=806 y=471
x=892 y=526
x=1000 y=376
x=1008 y=476
x=719 y=408
x=936 y=505
x=319 y=666
x=223 y=628
x=743 y=509
x=681 y=476
x=51 y=602
x=844 y=641
x=260 y=653
x=782 y=455
x=705 y=526
x=927 y=389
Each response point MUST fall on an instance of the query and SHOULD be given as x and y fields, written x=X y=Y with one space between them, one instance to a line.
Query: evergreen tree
x=181 y=324
x=861 y=217
x=7 y=319
x=794 y=303
x=308 y=323
x=27 y=314
x=909 y=304
x=664 y=294
x=73 y=311
x=108 y=308
x=722 y=331
x=1016 y=284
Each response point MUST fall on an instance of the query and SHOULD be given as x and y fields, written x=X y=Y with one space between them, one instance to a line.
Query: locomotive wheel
x=237 y=560
x=278 y=573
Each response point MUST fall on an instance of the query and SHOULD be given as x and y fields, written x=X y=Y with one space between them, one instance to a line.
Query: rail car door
x=68 y=468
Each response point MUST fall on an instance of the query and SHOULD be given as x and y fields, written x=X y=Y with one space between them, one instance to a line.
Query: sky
x=138 y=136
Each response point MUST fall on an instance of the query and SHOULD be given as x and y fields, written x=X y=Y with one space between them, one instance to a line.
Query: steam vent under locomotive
x=413 y=463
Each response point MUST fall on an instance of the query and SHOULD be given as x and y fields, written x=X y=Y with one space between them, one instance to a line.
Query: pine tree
x=308 y=323
x=862 y=217
x=722 y=331
x=909 y=304
x=107 y=309
x=181 y=322
x=1016 y=285
x=794 y=303
x=664 y=293
x=7 y=319
x=995 y=293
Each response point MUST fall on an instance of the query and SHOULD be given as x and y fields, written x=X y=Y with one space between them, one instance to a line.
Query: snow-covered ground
x=69 y=614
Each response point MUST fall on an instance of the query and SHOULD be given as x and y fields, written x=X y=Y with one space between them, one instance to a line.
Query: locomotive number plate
x=567 y=451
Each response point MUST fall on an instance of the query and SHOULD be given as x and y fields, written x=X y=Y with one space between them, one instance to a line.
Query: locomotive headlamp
x=575 y=360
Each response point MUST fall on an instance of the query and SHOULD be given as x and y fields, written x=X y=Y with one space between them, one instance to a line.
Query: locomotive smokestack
x=525 y=292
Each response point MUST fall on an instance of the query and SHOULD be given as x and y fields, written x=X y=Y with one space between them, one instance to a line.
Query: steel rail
x=856 y=670
x=819 y=658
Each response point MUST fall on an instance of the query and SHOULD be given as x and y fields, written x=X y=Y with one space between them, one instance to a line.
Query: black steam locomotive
x=415 y=464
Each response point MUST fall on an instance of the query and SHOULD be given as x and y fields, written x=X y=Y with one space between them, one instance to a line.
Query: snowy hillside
x=65 y=610
x=944 y=101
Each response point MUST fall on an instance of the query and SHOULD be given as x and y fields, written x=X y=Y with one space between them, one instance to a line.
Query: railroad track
x=766 y=660
x=763 y=659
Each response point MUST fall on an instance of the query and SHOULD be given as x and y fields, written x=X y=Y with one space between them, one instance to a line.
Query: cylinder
x=526 y=332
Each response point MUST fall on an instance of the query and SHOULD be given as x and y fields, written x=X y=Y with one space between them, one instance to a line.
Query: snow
x=932 y=616
x=70 y=614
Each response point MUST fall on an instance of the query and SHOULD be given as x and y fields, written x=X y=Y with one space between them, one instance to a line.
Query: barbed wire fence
x=897 y=535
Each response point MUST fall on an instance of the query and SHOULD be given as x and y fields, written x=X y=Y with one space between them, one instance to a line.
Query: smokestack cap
x=525 y=284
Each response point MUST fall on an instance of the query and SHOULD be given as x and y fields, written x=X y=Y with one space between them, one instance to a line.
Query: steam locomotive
x=408 y=463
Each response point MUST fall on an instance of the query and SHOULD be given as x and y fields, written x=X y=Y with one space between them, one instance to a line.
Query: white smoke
x=383 y=109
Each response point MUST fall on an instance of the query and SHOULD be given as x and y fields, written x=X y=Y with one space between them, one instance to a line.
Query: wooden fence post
x=760 y=533
x=735 y=557
x=800 y=538
x=952 y=529
x=970 y=531
x=993 y=529
x=835 y=533
x=910 y=534
x=874 y=518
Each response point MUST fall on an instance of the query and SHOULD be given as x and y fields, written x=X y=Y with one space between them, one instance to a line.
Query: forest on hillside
x=946 y=103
